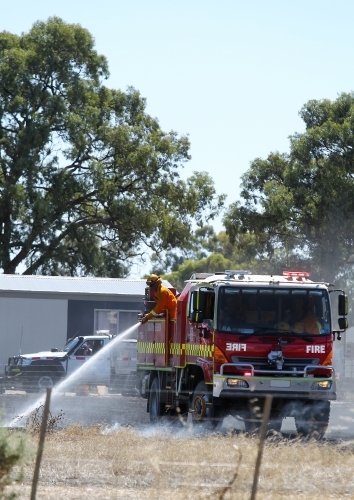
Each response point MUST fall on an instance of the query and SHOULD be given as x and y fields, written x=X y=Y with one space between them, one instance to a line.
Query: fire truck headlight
x=321 y=385
x=236 y=382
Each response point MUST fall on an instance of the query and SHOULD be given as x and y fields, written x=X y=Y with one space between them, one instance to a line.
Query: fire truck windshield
x=288 y=310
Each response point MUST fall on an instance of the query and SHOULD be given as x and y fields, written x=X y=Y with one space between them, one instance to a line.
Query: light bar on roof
x=296 y=274
x=228 y=271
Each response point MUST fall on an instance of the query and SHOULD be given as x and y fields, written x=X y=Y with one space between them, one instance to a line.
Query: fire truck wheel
x=156 y=408
x=312 y=418
x=202 y=409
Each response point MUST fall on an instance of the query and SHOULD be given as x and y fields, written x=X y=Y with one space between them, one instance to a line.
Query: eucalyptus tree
x=301 y=204
x=87 y=178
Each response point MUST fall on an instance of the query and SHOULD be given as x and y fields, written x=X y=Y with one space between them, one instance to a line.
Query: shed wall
x=43 y=323
x=81 y=313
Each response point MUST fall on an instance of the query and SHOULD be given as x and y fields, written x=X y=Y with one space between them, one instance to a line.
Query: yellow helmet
x=153 y=278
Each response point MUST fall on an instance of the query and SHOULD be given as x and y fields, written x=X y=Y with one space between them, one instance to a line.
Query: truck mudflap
x=280 y=384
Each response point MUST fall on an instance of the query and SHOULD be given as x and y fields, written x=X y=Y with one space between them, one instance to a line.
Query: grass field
x=99 y=463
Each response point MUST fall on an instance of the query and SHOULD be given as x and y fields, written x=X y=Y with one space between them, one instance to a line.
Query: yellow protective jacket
x=312 y=325
x=165 y=299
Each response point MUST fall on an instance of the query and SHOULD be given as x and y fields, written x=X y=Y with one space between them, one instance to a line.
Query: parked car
x=37 y=371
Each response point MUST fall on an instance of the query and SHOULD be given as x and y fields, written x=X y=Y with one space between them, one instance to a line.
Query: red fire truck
x=238 y=338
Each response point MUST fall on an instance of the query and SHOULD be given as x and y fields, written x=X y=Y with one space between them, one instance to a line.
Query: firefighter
x=302 y=319
x=164 y=298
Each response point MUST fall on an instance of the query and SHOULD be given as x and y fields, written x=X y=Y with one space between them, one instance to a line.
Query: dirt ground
x=104 y=448
x=79 y=410
x=177 y=464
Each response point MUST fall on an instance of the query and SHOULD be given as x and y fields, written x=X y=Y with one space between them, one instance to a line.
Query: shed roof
x=69 y=285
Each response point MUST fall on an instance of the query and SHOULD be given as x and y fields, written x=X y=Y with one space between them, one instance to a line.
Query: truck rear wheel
x=312 y=418
x=156 y=408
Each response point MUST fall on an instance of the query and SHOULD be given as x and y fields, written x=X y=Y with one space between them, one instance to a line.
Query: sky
x=231 y=74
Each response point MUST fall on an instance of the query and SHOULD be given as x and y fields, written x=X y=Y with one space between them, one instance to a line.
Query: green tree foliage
x=202 y=242
x=13 y=454
x=209 y=253
x=300 y=206
x=212 y=263
x=86 y=175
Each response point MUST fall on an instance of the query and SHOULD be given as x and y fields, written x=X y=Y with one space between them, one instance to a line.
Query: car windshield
x=71 y=344
x=254 y=310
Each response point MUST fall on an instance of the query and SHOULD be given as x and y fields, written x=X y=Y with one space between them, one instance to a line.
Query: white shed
x=42 y=312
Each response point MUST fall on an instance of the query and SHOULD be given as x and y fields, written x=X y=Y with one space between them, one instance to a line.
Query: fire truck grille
x=289 y=363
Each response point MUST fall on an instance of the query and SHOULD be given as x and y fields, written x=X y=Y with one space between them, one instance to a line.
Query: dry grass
x=124 y=463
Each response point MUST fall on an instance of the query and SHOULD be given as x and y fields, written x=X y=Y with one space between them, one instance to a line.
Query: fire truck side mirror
x=342 y=305
x=343 y=323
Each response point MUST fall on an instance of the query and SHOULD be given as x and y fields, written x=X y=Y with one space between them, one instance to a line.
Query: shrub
x=34 y=420
x=12 y=457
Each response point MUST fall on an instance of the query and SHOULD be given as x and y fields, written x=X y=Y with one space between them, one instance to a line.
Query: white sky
x=231 y=74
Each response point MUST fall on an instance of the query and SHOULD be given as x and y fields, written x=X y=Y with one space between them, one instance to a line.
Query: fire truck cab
x=239 y=337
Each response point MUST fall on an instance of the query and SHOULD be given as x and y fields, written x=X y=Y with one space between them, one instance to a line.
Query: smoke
x=109 y=429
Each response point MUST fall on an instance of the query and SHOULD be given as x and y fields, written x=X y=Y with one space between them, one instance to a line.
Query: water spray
x=74 y=378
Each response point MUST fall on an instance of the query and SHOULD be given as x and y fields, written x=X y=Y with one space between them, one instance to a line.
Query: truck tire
x=203 y=414
x=40 y=382
x=156 y=408
x=312 y=418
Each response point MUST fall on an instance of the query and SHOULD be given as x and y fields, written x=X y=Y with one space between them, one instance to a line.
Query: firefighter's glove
x=144 y=320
